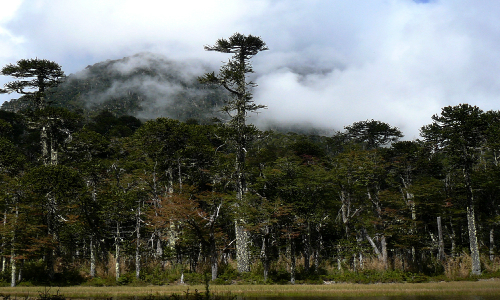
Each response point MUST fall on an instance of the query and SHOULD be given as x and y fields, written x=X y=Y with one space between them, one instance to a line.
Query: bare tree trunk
x=307 y=248
x=492 y=244
x=13 y=263
x=20 y=272
x=213 y=257
x=383 y=245
x=44 y=140
x=117 y=252
x=474 y=248
x=451 y=235
x=13 y=266
x=53 y=152
x=441 y=255
x=372 y=243
x=292 y=261
x=138 y=256
x=159 y=248
x=4 y=259
x=471 y=224
x=359 y=239
x=264 y=252
x=242 y=247
x=318 y=248
x=92 y=257
x=138 y=243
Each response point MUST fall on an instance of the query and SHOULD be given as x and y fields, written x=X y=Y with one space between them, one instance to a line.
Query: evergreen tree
x=233 y=77
x=460 y=133
x=34 y=76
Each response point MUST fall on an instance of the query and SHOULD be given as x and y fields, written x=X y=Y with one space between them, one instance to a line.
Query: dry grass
x=373 y=263
x=458 y=267
x=491 y=266
x=480 y=288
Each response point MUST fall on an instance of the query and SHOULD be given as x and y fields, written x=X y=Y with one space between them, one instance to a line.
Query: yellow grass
x=480 y=288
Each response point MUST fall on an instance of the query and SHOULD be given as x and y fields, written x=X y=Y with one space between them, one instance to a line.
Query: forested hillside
x=106 y=198
x=144 y=85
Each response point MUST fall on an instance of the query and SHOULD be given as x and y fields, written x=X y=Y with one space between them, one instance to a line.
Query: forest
x=104 y=198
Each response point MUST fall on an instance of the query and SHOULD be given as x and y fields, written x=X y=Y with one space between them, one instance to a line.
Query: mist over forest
x=144 y=170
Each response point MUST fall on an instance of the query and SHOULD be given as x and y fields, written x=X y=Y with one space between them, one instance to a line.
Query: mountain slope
x=144 y=85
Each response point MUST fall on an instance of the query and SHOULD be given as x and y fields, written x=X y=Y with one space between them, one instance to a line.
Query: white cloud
x=331 y=62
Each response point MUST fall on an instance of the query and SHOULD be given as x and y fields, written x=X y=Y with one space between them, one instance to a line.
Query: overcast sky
x=330 y=63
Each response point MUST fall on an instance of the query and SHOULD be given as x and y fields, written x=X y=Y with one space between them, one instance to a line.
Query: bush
x=98 y=281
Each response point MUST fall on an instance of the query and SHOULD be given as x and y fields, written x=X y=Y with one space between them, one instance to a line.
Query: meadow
x=490 y=287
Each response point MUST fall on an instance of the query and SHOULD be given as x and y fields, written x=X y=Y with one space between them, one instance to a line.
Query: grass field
x=479 y=288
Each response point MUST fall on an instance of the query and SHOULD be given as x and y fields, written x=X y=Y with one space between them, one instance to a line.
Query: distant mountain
x=145 y=85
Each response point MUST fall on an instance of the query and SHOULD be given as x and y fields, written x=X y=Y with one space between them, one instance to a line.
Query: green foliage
x=107 y=124
x=373 y=276
x=166 y=190
x=11 y=160
x=136 y=85
x=33 y=74
x=372 y=134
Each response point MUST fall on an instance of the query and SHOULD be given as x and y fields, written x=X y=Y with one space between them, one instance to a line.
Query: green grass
x=480 y=288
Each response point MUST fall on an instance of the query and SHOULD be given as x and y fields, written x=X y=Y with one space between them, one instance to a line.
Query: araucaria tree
x=460 y=132
x=34 y=76
x=233 y=77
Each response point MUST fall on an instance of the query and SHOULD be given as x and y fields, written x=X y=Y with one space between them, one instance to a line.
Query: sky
x=330 y=63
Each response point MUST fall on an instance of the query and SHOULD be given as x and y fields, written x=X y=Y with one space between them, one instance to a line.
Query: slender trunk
x=492 y=244
x=242 y=247
x=264 y=252
x=180 y=173
x=92 y=257
x=53 y=152
x=13 y=263
x=474 y=248
x=242 y=236
x=471 y=224
x=451 y=235
x=13 y=266
x=117 y=251
x=44 y=140
x=383 y=245
x=138 y=243
x=345 y=210
x=292 y=261
x=354 y=269
x=372 y=243
x=170 y=176
x=359 y=239
x=20 y=272
x=4 y=260
x=159 y=248
x=49 y=252
x=318 y=248
x=213 y=257
x=307 y=248
x=441 y=255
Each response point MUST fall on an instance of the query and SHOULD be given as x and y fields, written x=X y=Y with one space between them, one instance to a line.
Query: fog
x=330 y=62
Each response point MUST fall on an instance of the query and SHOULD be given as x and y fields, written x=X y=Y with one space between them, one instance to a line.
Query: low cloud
x=330 y=63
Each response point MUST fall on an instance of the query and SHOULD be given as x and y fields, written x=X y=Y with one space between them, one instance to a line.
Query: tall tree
x=34 y=76
x=460 y=132
x=372 y=134
x=233 y=77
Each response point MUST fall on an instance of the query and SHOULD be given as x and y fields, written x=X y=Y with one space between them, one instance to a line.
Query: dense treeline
x=106 y=197
x=159 y=195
